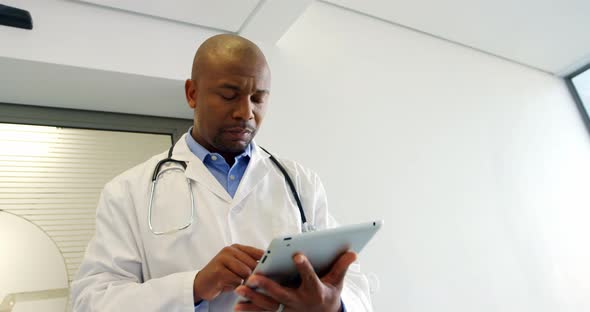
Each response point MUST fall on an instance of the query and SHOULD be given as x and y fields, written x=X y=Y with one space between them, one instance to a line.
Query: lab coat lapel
x=197 y=171
x=256 y=171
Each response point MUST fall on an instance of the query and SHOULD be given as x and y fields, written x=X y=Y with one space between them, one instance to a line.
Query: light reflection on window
x=582 y=84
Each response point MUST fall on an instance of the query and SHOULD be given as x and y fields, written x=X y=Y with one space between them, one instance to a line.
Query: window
x=53 y=166
x=53 y=177
x=579 y=84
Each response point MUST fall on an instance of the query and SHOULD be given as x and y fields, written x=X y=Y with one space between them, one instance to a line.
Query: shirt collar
x=202 y=153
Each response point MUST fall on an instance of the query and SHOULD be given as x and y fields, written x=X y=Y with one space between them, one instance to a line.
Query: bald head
x=228 y=90
x=226 y=49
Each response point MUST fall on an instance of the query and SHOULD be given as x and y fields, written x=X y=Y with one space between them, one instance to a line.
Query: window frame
x=579 y=102
x=93 y=120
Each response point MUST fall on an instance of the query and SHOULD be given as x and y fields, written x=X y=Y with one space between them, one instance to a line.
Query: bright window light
x=580 y=82
x=27 y=140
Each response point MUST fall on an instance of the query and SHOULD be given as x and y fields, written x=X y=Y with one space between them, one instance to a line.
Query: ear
x=190 y=91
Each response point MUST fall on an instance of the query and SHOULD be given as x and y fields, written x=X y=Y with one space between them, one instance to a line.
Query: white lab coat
x=128 y=268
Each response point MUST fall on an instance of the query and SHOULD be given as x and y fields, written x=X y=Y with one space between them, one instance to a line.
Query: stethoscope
x=305 y=226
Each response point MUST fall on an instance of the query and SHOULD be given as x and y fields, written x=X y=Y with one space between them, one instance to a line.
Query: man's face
x=230 y=101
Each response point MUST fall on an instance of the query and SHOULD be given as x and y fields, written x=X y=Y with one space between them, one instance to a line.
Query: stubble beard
x=228 y=146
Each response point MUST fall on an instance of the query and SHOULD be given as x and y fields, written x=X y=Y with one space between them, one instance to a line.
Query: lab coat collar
x=257 y=169
x=196 y=170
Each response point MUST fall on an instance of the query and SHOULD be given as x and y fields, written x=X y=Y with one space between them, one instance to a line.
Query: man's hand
x=226 y=271
x=314 y=293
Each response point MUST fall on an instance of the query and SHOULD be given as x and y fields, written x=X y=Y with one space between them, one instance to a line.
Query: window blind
x=53 y=177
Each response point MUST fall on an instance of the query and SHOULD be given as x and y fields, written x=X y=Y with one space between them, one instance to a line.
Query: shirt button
x=232 y=177
x=214 y=157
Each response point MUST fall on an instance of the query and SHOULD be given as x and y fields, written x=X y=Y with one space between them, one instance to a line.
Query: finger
x=309 y=278
x=257 y=299
x=248 y=307
x=339 y=268
x=272 y=289
x=251 y=251
x=237 y=267
x=245 y=254
x=233 y=254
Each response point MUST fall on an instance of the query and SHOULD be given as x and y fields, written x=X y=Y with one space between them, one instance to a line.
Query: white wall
x=479 y=166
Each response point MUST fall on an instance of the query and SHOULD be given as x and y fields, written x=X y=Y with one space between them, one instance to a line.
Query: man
x=145 y=259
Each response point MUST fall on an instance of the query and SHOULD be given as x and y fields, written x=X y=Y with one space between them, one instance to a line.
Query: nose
x=244 y=109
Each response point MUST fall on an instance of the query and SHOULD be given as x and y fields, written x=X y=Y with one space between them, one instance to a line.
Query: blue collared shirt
x=228 y=177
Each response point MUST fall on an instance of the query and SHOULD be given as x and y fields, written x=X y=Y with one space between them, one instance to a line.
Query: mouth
x=238 y=133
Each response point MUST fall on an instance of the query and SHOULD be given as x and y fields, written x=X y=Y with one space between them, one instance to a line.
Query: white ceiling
x=548 y=35
x=112 y=57
x=227 y=15
x=551 y=35
x=259 y=20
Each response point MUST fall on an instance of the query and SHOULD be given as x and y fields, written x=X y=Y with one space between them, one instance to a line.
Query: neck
x=230 y=159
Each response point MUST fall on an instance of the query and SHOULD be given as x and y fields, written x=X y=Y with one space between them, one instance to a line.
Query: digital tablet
x=322 y=248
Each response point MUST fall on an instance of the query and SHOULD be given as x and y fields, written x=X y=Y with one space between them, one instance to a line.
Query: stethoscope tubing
x=306 y=227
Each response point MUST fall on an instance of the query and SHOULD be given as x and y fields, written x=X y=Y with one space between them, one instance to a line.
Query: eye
x=258 y=98
x=228 y=95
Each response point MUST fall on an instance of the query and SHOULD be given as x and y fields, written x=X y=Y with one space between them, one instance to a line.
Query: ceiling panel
x=226 y=15
x=90 y=89
x=551 y=35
